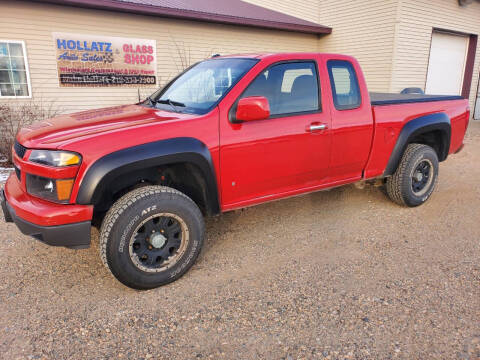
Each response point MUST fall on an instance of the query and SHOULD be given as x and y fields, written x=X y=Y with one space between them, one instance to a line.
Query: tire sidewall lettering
x=149 y=209
x=126 y=232
x=187 y=260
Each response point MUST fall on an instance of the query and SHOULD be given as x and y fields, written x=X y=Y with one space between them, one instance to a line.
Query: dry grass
x=14 y=116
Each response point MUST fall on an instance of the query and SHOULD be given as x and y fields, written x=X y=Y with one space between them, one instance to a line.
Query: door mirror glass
x=253 y=108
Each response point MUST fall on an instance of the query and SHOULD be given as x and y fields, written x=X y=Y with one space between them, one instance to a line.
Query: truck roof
x=280 y=54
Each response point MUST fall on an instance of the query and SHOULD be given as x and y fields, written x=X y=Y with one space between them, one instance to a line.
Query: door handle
x=318 y=127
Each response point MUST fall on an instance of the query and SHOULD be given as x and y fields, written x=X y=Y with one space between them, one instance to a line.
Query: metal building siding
x=416 y=20
x=364 y=29
x=390 y=38
x=308 y=10
x=35 y=22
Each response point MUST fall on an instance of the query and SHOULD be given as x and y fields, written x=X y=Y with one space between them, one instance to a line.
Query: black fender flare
x=163 y=152
x=423 y=124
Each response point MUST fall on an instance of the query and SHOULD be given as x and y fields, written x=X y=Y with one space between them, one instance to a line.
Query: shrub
x=14 y=116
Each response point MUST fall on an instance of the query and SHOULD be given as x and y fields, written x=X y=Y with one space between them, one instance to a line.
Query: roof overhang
x=301 y=26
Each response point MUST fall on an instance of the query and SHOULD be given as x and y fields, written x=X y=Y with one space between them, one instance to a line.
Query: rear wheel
x=416 y=176
x=151 y=236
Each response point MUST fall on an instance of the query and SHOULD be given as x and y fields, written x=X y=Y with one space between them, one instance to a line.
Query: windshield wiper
x=172 y=103
x=152 y=102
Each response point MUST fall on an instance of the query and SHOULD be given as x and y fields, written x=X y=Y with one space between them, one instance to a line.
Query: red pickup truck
x=229 y=132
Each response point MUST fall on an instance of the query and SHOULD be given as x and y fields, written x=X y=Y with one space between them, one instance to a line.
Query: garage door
x=447 y=64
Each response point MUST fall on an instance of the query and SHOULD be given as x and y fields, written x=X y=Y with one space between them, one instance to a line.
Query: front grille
x=19 y=149
x=18 y=173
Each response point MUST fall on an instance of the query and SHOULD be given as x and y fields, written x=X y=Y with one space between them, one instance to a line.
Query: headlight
x=54 y=158
x=57 y=190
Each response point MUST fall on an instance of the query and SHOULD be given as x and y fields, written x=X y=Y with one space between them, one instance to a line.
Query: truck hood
x=61 y=130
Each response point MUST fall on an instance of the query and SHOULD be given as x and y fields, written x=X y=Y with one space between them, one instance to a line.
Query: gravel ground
x=340 y=274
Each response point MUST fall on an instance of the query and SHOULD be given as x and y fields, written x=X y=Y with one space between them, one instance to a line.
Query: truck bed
x=377 y=98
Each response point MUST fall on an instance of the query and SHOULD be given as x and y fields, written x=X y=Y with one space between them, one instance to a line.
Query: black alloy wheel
x=422 y=177
x=158 y=242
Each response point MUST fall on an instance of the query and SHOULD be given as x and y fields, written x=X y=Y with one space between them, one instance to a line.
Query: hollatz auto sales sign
x=95 y=60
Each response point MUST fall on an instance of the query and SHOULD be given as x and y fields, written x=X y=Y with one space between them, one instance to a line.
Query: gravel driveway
x=340 y=274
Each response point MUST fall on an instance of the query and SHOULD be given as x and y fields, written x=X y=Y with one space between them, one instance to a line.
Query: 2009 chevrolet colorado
x=229 y=132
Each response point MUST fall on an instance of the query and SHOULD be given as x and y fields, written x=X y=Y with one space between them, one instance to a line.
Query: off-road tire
x=399 y=185
x=129 y=212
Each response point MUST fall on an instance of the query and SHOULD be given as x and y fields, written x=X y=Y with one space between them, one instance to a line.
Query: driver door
x=285 y=154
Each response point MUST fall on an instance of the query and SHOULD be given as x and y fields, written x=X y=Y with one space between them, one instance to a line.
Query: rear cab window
x=344 y=84
x=290 y=88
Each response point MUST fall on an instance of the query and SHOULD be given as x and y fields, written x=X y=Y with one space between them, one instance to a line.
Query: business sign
x=91 y=60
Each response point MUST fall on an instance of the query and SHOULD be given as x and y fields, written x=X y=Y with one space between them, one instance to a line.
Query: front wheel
x=416 y=176
x=151 y=236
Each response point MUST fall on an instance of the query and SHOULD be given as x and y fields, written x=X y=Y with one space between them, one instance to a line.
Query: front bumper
x=68 y=233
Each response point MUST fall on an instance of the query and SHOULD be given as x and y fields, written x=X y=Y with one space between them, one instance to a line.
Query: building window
x=344 y=83
x=14 y=76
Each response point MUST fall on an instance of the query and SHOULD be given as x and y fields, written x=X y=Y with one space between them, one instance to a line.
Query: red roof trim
x=147 y=9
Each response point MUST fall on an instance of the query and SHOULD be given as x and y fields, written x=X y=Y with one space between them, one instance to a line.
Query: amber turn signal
x=64 y=189
x=67 y=159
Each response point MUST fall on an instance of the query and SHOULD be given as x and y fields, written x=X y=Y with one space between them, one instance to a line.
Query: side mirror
x=252 y=108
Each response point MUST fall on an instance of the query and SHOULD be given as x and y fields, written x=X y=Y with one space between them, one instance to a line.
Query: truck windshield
x=202 y=86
